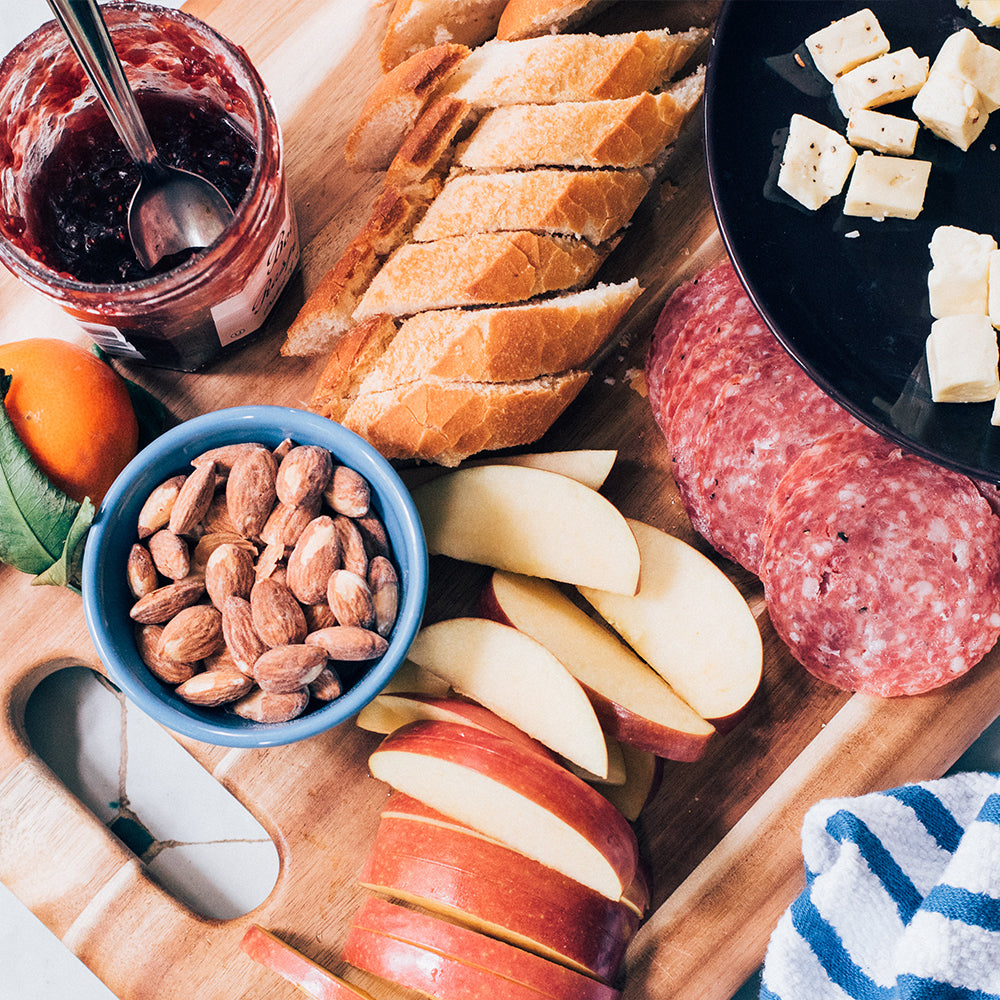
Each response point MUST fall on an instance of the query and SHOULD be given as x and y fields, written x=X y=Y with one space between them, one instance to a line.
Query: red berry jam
x=81 y=195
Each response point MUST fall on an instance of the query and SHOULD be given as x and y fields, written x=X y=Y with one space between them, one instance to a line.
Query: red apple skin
x=315 y=981
x=541 y=781
x=626 y=725
x=449 y=959
x=506 y=894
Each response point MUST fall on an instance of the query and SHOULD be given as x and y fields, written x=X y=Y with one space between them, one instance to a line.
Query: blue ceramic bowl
x=107 y=598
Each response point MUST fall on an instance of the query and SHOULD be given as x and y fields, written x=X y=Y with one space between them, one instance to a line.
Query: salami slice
x=882 y=573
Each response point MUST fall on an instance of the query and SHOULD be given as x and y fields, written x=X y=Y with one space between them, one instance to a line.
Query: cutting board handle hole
x=197 y=841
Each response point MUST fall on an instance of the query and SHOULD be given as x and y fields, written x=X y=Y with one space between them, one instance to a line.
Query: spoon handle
x=88 y=34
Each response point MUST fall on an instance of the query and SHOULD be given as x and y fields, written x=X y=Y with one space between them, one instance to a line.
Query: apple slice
x=616 y=765
x=412 y=679
x=315 y=981
x=449 y=962
x=513 y=795
x=499 y=892
x=387 y=712
x=588 y=466
x=529 y=521
x=690 y=624
x=643 y=772
x=516 y=677
x=631 y=700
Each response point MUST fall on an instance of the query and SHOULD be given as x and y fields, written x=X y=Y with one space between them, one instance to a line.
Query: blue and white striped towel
x=902 y=898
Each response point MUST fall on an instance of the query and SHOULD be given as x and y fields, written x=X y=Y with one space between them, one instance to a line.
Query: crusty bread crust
x=415 y=25
x=531 y=18
x=629 y=132
x=395 y=104
x=583 y=67
x=328 y=312
x=447 y=421
x=482 y=269
x=594 y=204
x=426 y=151
x=504 y=343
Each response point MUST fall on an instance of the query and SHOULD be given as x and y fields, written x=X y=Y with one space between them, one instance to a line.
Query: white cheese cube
x=881 y=132
x=985 y=11
x=958 y=281
x=962 y=360
x=891 y=77
x=815 y=162
x=887 y=186
x=952 y=109
x=963 y=55
x=847 y=43
x=993 y=288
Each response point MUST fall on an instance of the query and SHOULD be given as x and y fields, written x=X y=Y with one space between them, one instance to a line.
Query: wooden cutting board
x=721 y=836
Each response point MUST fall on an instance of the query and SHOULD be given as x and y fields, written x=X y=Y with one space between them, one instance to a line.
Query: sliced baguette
x=447 y=421
x=415 y=25
x=327 y=313
x=557 y=68
x=353 y=357
x=396 y=102
x=532 y=18
x=594 y=204
x=481 y=269
x=628 y=132
x=505 y=343
x=427 y=150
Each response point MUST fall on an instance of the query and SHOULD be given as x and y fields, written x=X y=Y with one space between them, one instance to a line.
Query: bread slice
x=396 y=102
x=328 y=312
x=481 y=269
x=583 y=67
x=446 y=421
x=532 y=18
x=415 y=25
x=427 y=150
x=352 y=358
x=594 y=204
x=504 y=343
x=628 y=132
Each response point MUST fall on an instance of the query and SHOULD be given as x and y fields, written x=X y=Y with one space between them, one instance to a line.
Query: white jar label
x=111 y=340
x=245 y=311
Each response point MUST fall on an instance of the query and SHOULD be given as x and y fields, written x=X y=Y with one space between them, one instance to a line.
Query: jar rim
x=184 y=277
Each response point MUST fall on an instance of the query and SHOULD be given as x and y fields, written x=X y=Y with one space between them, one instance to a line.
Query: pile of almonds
x=261 y=577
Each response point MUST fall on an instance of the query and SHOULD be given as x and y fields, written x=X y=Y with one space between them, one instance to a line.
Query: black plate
x=846 y=296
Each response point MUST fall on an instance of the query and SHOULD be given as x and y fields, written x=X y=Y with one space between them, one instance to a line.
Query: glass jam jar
x=207 y=102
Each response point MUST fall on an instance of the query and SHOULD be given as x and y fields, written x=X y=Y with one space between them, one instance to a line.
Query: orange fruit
x=73 y=413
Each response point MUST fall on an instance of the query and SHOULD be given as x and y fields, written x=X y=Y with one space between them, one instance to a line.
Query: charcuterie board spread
x=715 y=848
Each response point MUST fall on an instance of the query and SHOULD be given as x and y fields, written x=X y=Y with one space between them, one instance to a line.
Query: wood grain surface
x=721 y=837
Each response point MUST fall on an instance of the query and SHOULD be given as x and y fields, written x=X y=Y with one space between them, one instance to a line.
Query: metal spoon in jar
x=172 y=210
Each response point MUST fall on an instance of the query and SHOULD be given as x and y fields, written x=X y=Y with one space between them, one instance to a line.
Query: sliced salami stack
x=880 y=569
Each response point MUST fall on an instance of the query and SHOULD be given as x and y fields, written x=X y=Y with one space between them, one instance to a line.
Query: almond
x=225 y=455
x=348 y=493
x=286 y=523
x=147 y=642
x=284 y=669
x=163 y=603
x=271 y=559
x=348 y=642
x=217 y=519
x=215 y=687
x=250 y=491
x=155 y=512
x=350 y=599
x=304 y=474
x=193 y=499
x=352 y=546
x=277 y=616
x=375 y=537
x=319 y=616
x=141 y=571
x=192 y=633
x=283 y=449
x=170 y=554
x=210 y=541
x=262 y=706
x=383 y=582
x=239 y=633
x=221 y=659
x=228 y=573
x=315 y=556
x=326 y=686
